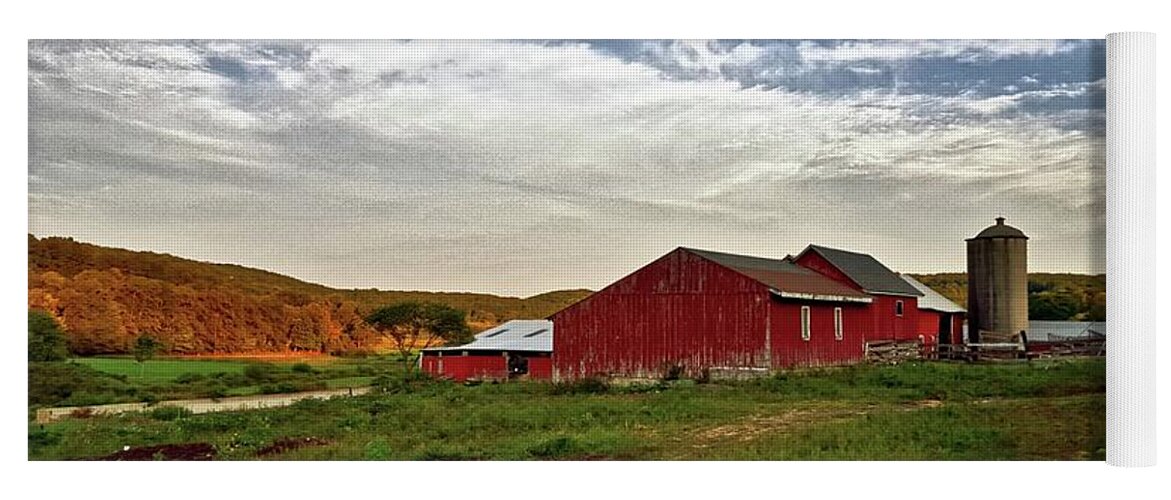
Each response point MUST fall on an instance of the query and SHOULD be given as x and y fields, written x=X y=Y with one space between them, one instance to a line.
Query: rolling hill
x=106 y=297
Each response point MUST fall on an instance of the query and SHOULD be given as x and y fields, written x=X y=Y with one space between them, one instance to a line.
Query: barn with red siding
x=515 y=349
x=894 y=314
x=941 y=321
x=696 y=310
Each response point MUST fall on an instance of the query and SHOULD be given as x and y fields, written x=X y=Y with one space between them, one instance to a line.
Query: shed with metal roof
x=939 y=319
x=517 y=348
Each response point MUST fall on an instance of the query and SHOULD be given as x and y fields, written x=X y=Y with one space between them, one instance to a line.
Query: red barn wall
x=678 y=310
x=928 y=322
x=541 y=368
x=884 y=323
x=813 y=260
x=429 y=363
x=461 y=368
x=822 y=348
x=889 y=326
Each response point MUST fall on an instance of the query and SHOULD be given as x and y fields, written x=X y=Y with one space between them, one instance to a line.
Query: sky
x=520 y=167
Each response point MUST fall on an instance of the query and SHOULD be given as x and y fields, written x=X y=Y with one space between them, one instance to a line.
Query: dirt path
x=197 y=405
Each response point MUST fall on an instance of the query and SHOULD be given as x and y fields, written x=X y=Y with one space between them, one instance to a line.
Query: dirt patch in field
x=752 y=427
x=185 y=451
x=925 y=403
x=286 y=444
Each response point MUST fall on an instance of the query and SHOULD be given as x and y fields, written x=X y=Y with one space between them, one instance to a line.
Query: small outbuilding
x=941 y=321
x=518 y=348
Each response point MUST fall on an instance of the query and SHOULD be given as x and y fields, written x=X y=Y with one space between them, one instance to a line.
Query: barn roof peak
x=865 y=270
x=783 y=276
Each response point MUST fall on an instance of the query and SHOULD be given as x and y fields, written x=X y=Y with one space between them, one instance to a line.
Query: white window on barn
x=837 y=323
x=804 y=322
x=898 y=308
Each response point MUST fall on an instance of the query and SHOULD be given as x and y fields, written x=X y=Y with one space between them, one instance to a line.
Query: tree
x=419 y=325
x=45 y=340
x=145 y=348
x=1054 y=306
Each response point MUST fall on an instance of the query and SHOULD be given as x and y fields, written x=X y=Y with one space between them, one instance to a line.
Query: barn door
x=517 y=365
x=945 y=329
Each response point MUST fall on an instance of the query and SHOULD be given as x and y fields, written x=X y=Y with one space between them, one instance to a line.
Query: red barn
x=697 y=310
x=519 y=348
x=941 y=321
x=895 y=310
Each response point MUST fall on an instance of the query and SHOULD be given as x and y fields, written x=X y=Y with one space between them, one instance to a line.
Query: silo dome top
x=1000 y=230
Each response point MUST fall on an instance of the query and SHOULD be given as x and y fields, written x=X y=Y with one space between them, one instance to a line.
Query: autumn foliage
x=105 y=298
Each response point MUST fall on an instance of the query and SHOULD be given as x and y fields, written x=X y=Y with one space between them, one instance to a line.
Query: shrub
x=672 y=371
x=405 y=383
x=260 y=372
x=556 y=447
x=278 y=388
x=55 y=383
x=168 y=413
x=189 y=377
x=377 y=450
x=446 y=453
x=379 y=407
x=45 y=340
x=42 y=437
x=354 y=353
x=704 y=377
x=589 y=385
x=232 y=379
x=303 y=368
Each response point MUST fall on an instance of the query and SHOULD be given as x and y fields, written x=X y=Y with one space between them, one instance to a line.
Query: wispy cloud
x=519 y=167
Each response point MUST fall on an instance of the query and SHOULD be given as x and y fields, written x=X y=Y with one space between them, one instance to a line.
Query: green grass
x=928 y=411
x=92 y=381
x=160 y=370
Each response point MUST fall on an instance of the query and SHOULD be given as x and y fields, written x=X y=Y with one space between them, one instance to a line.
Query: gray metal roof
x=529 y=335
x=1000 y=230
x=931 y=299
x=1066 y=330
x=785 y=278
x=1055 y=331
x=866 y=271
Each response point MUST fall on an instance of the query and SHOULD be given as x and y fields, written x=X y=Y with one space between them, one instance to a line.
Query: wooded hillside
x=106 y=297
x=1056 y=297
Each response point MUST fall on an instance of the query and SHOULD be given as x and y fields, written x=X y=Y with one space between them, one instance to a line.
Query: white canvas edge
x=1130 y=249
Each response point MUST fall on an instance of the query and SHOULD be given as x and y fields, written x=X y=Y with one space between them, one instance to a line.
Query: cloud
x=520 y=167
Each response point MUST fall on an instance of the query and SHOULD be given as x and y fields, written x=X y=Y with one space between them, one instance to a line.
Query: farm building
x=941 y=321
x=517 y=348
x=696 y=310
x=895 y=306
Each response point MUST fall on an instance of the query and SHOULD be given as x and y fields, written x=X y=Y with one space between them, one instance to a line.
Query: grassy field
x=91 y=381
x=1051 y=410
x=160 y=370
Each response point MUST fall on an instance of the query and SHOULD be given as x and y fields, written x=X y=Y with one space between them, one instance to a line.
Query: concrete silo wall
x=998 y=287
